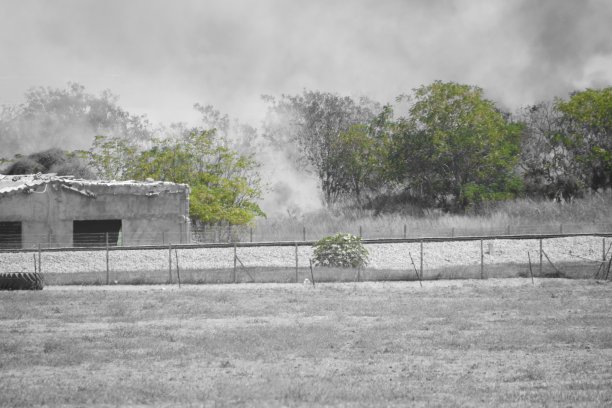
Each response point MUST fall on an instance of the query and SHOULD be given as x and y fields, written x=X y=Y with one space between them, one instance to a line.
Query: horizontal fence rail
x=307 y=243
x=231 y=234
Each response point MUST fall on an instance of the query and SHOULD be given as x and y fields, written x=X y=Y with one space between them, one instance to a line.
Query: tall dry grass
x=522 y=216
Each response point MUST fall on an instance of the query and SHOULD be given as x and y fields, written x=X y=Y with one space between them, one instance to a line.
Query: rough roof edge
x=30 y=182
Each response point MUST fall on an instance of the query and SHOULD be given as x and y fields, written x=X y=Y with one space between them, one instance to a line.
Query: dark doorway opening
x=96 y=232
x=10 y=234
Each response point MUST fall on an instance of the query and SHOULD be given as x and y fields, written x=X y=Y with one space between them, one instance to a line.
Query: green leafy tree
x=311 y=125
x=547 y=161
x=111 y=157
x=225 y=185
x=455 y=148
x=361 y=158
x=588 y=115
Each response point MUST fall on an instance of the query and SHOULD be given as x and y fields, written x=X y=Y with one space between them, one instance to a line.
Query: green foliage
x=340 y=250
x=314 y=123
x=360 y=156
x=224 y=185
x=588 y=115
x=455 y=148
x=111 y=157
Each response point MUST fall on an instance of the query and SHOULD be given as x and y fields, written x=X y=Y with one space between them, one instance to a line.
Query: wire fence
x=286 y=233
x=528 y=256
x=294 y=232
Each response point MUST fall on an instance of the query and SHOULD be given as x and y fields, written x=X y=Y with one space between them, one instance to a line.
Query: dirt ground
x=495 y=342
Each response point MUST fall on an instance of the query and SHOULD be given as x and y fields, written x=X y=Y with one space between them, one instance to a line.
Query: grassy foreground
x=450 y=343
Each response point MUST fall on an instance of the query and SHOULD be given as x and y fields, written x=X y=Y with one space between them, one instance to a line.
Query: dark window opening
x=96 y=232
x=10 y=234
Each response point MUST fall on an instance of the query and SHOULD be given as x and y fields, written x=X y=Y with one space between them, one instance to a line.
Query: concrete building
x=58 y=211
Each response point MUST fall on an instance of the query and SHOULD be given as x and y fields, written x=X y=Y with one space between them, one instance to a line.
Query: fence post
x=540 y=257
x=296 y=262
x=235 y=255
x=481 y=260
x=603 y=248
x=107 y=268
x=39 y=260
x=169 y=262
x=229 y=233
x=421 y=267
x=304 y=233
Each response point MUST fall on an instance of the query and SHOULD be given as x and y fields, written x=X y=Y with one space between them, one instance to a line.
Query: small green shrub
x=340 y=250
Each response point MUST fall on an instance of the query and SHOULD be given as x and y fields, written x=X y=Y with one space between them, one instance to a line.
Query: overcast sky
x=161 y=57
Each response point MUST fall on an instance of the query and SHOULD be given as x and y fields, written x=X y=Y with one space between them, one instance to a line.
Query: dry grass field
x=451 y=343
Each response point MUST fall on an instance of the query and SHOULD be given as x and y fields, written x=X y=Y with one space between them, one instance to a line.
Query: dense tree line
x=442 y=146
x=448 y=147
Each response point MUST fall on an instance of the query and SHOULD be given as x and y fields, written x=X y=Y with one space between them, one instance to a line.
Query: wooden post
x=39 y=260
x=312 y=273
x=178 y=271
x=304 y=233
x=530 y=270
x=415 y=270
x=421 y=268
x=540 y=257
x=229 y=233
x=551 y=264
x=603 y=248
x=235 y=257
x=296 y=262
x=481 y=260
x=107 y=266
x=169 y=263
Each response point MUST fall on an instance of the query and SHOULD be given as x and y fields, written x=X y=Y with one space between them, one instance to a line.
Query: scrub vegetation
x=441 y=148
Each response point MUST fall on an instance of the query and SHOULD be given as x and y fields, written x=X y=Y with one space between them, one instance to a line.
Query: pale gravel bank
x=382 y=256
x=370 y=287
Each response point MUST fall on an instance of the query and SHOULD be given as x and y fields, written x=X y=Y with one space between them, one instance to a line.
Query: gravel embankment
x=382 y=256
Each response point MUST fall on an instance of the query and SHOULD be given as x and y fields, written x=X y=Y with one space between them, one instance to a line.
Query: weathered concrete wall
x=149 y=214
